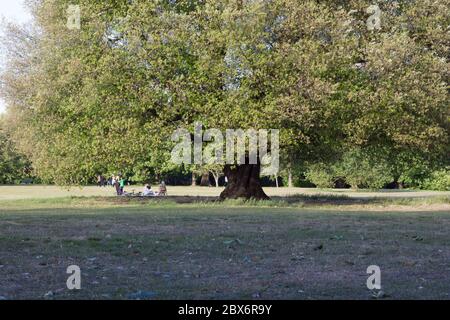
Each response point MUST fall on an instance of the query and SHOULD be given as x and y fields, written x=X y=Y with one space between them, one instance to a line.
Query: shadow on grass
x=203 y=250
x=293 y=200
x=182 y=202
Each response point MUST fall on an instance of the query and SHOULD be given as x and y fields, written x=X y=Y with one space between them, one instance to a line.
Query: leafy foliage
x=439 y=180
x=14 y=167
x=322 y=175
x=107 y=97
x=363 y=170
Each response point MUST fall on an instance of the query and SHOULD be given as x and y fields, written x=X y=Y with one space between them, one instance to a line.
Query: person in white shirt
x=147 y=191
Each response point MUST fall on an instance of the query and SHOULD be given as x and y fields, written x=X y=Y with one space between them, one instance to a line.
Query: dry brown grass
x=228 y=250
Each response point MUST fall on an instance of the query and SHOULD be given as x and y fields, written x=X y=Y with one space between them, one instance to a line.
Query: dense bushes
x=438 y=180
x=14 y=167
x=322 y=175
x=354 y=168
x=364 y=169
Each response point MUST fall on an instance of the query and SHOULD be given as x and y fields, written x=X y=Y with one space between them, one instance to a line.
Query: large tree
x=107 y=97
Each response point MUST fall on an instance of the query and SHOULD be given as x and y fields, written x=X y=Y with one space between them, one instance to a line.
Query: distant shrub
x=415 y=172
x=439 y=180
x=357 y=168
x=363 y=170
x=374 y=169
x=303 y=183
x=321 y=175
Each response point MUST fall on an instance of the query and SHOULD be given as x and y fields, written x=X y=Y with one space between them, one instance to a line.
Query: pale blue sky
x=12 y=10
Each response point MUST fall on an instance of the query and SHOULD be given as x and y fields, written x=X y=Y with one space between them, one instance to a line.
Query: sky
x=15 y=11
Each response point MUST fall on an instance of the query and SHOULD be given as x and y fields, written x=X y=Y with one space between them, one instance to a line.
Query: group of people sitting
x=148 y=192
x=118 y=182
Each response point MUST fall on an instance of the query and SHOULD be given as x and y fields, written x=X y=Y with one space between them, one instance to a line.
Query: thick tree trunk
x=243 y=182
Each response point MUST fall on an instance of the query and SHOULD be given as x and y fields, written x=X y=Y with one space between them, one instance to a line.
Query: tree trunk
x=205 y=180
x=397 y=183
x=216 y=178
x=290 y=184
x=276 y=181
x=194 y=179
x=243 y=182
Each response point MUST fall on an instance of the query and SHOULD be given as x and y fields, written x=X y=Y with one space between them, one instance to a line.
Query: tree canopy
x=107 y=97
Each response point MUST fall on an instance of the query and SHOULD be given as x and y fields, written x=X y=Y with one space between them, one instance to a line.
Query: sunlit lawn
x=38 y=191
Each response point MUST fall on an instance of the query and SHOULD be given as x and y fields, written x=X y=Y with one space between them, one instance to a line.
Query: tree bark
x=290 y=184
x=243 y=182
x=205 y=180
x=216 y=179
x=194 y=179
x=398 y=184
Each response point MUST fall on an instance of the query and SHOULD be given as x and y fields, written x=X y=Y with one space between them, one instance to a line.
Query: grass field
x=315 y=247
x=38 y=191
